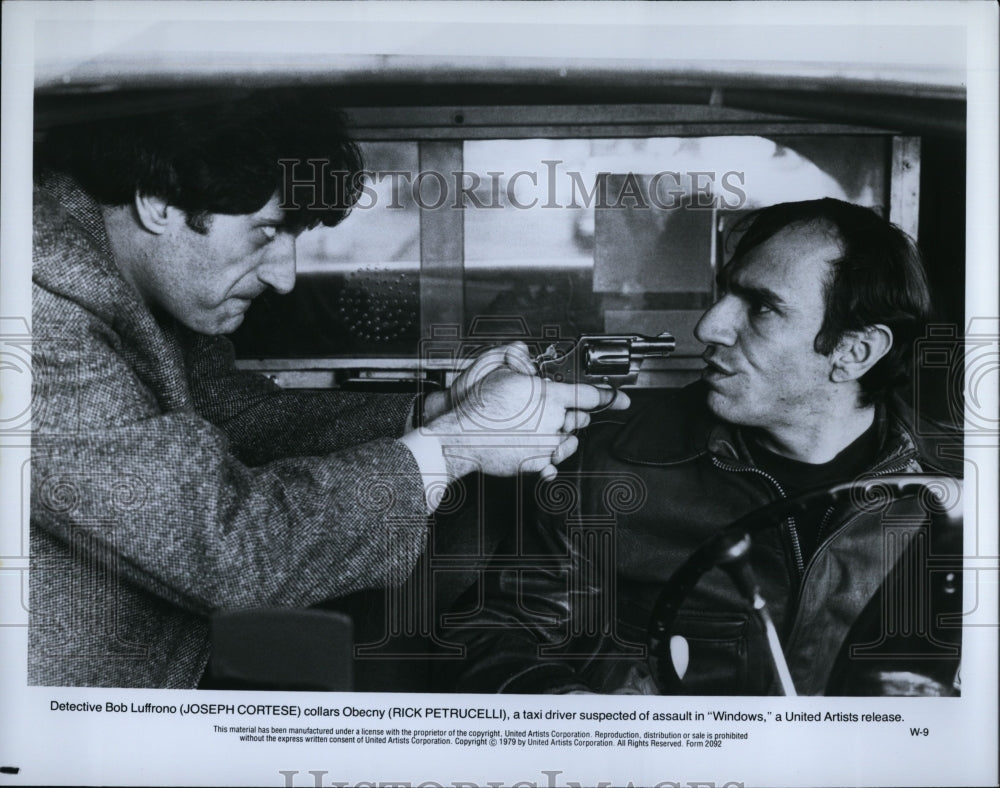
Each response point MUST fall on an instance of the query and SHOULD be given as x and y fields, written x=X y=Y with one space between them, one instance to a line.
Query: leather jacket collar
x=653 y=437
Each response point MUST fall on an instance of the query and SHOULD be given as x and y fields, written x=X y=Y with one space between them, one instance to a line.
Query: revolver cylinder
x=607 y=357
x=610 y=359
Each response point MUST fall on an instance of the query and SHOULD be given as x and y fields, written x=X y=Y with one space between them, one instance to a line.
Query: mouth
x=242 y=303
x=714 y=368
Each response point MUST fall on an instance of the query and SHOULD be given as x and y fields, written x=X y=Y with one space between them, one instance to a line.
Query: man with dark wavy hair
x=811 y=334
x=167 y=485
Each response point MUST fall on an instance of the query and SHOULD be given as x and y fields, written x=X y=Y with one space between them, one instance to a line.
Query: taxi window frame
x=440 y=133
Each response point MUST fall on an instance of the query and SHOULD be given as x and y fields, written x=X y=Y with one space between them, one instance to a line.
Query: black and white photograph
x=499 y=393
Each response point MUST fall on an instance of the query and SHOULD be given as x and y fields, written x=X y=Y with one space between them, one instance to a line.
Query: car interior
x=537 y=200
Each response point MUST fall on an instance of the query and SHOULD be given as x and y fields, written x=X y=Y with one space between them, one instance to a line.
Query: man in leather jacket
x=813 y=330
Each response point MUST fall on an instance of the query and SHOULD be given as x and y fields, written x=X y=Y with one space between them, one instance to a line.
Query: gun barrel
x=663 y=345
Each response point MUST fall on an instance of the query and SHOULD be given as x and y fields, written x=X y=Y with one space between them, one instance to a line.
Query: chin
x=724 y=408
x=716 y=403
x=217 y=327
x=227 y=323
x=230 y=325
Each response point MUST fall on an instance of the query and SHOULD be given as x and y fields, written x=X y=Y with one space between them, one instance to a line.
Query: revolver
x=611 y=359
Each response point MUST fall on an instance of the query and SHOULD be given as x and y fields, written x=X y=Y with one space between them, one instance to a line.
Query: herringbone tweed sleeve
x=264 y=422
x=184 y=518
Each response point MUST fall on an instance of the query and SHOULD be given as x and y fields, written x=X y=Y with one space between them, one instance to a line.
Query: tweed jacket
x=166 y=484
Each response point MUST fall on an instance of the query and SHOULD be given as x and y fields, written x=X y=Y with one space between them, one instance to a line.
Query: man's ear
x=859 y=351
x=152 y=212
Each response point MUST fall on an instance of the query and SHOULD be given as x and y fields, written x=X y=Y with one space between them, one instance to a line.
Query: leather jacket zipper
x=822 y=542
x=793 y=533
x=792 y=528
x=827 y=516
x=823 y=524
x=821 y=534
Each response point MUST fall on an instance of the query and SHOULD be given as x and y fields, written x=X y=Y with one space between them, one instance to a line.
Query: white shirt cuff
x=427 y=451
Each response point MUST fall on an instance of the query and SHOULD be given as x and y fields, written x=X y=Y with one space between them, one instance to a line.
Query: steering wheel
x=729 y=550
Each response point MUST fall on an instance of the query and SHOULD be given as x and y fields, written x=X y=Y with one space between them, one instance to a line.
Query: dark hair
x=223 y=157
x=879 y=278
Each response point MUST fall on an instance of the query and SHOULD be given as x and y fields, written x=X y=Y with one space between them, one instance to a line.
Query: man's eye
x=760 y=308
x=269 y=232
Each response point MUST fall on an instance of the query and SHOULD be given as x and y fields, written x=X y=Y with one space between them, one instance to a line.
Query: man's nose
x=277 y=270
x=718 y=325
